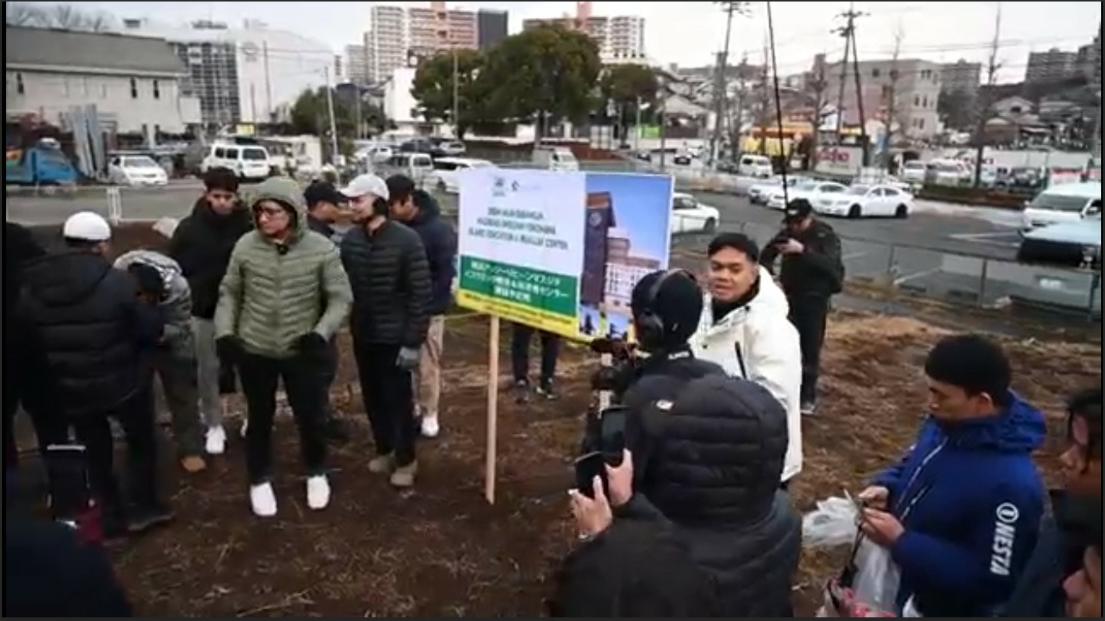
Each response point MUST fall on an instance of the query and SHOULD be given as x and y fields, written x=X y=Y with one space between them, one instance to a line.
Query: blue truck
x=42 y=164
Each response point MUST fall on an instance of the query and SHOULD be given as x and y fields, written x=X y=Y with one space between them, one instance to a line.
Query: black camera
x=622 y=372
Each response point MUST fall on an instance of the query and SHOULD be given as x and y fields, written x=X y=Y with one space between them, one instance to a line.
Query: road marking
x=915 y=275
x=986 y=238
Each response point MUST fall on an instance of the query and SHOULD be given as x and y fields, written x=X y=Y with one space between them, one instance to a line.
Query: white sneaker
x=318 y=492
x=216 y=440
x=245 y=427
x=430 y=427
x=263 y=500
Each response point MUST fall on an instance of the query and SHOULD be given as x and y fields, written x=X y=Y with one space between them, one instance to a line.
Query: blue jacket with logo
x=970 y=499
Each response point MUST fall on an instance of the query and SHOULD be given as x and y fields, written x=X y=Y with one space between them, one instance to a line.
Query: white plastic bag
x=833 y=523
x=877 y=577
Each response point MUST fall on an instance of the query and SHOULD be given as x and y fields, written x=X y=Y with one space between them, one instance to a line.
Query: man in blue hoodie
x=422 y=213
x=960 y=513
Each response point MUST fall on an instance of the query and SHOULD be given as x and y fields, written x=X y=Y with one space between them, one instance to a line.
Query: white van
x=755 y=166
x=247 y=161
x=1069 y=202
x=555 y=158
x=417 y=166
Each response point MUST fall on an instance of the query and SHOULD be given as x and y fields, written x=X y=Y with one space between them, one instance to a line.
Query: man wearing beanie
x=283 y=297
x=201 y=245
x=83 y=333
x=744 y=328
x=390 y=277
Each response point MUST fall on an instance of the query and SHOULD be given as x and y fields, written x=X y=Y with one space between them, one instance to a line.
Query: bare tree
x=64 y=16
x=892 y=105
x=816 y=87
x=23 y=15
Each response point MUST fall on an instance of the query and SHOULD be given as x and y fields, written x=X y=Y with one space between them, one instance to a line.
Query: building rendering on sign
x=623 y=270
x=599 y=220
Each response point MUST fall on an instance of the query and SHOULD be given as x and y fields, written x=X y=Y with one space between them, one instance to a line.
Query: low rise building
x=135 y=83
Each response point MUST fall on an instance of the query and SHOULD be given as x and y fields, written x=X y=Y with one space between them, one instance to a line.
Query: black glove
x=311 y=345
x=229 y=349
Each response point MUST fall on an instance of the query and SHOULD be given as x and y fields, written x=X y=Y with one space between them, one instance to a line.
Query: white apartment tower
x=386 y=42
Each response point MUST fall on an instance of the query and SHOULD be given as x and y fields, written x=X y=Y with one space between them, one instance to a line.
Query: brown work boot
x=193 y=464
x=382 y=464
x=404 y=475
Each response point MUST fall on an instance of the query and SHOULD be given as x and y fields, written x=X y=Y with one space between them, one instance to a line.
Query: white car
x=913 y=171
x=451 y=148
x=247 y=161
x=814 y=191
x=754 y=166
x=758 y=192
x=864 y=200
x=136 y=170
x=375 y=154
x=690 y=216
x=445 y=176
x=1069 y=202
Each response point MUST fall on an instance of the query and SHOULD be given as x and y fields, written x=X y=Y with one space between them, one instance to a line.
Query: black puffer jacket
x=83 y=334
x=710 y=463
x=202 y=244
x=391 y=285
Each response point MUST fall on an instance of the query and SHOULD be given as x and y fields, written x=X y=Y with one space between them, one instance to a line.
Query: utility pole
x=456 y=96
x=764 y=105
x=848 y=33
x=859 y=100
x=637 y=127
x=268 y=82
x=333 y=124
x=360 y=119
x=720 y=91
x=736 y=123
x=817 y=85
x=891 y=107
x=986 y=102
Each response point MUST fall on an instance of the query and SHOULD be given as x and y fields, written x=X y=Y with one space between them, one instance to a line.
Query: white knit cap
x=87 y=226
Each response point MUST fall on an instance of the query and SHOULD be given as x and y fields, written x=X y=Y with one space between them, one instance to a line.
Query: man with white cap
x=390 y=278
x=85 y=335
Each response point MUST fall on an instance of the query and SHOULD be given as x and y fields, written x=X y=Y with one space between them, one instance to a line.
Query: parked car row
x=888 y=198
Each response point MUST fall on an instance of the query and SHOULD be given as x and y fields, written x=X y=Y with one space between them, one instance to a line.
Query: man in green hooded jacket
x=284 y=295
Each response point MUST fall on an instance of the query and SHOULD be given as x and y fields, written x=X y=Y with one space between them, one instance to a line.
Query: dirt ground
x=441 y=550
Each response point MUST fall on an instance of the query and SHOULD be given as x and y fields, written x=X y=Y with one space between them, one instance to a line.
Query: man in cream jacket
x=744 y=328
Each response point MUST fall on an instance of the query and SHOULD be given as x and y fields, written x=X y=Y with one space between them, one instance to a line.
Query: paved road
x=945 y=250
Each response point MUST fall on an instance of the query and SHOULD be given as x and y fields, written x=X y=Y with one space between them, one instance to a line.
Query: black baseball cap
x=797 y=209
x=322 y=191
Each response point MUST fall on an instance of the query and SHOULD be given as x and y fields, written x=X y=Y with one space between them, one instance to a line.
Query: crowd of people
x=693 y=518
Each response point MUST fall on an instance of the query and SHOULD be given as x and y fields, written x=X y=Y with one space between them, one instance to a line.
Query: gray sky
x=690 y=33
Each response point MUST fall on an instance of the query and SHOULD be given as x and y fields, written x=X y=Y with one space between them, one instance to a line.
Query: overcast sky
x=691 y=33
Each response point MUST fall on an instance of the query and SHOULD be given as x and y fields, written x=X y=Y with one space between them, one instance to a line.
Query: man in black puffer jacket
x=201 y=245
x=705 y=453
x=440 y=240
x=388 y=272
x=86 y=339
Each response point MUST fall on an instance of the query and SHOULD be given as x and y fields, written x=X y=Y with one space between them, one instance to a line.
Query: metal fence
x=975 y=280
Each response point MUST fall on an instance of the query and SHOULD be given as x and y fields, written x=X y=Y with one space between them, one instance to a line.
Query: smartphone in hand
x=588 y=467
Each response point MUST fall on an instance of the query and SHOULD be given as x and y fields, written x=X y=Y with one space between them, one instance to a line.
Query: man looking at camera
x=812 y=271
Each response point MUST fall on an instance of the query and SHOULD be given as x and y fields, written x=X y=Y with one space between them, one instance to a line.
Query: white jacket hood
x=757 y=342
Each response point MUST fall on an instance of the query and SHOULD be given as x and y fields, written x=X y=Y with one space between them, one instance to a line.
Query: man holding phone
x=960 y=513
x=812 y=271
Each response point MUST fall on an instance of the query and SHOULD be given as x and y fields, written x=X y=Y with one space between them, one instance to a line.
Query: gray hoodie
x=177 y=306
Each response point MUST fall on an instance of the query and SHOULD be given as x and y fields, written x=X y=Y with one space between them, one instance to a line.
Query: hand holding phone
x=587 y=468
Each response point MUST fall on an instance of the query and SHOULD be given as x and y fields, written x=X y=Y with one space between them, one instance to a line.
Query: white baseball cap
x=363 y=185
x=87 y=226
